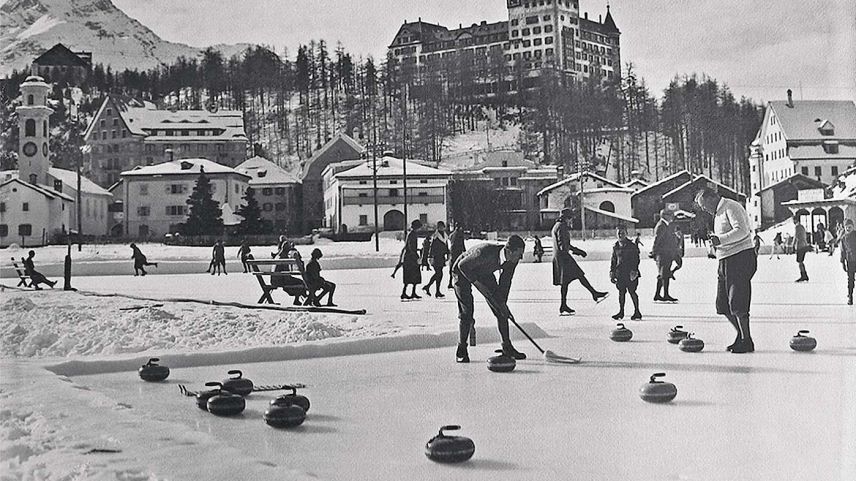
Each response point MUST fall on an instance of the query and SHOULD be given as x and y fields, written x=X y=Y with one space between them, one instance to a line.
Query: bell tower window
x=30 y=99
x=30 y=128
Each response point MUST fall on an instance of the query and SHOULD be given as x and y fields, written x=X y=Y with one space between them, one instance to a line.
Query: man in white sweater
x=732 y=239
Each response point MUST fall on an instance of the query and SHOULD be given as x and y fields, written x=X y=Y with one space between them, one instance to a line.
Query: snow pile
x=61 y=324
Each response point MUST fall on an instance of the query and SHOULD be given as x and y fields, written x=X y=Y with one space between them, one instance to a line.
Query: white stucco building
x=155 y=197
x=607 y=203
x=349 y=200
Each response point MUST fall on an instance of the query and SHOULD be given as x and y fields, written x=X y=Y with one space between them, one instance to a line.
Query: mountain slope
x=29 y=27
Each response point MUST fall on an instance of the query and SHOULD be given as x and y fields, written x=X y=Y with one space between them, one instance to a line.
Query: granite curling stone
x=656 y=391
x=691 y=344
x=501 y=363
x=153 y=372
x=285 y=413
x=226 y=403
x=803 y=342
x=621 y=334
x=676 y=334
x=292 y=398
x=449 y=449
x=203 y=396
x=238 y=385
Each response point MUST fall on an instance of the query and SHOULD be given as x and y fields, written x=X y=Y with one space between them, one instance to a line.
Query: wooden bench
x=24 y=279
x=289 y=268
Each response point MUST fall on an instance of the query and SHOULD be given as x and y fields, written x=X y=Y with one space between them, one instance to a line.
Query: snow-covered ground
x=68 y=387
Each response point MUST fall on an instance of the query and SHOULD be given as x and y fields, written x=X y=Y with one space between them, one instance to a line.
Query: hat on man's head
x=566 y=213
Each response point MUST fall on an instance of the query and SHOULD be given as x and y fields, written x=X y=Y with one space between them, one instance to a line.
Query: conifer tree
x=252 y=222
x=204 y=217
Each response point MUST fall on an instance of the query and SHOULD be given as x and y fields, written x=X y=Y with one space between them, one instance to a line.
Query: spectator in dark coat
x=848 y=256
x=140 y=260
x=218 y=257
x=456 y=247
x=565 y=268
x=476 y=267
x=426 y=253
x=801 y=248
x=36 y=277
x=539 y=249
x=624 y=273
x=314 y=281
x=437 y=253
x=664 y=251
x=409 y=260
x=243 y=254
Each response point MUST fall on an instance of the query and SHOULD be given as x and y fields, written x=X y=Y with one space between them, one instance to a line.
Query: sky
x=759 y=48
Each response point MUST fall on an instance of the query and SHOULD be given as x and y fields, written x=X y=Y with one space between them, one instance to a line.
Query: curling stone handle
x=620 y=325
x=802 y=331
x=677 y=327
x=656 y=375
x=214 y=384
x=450 y=427
x=234 y=372
x=152 y=360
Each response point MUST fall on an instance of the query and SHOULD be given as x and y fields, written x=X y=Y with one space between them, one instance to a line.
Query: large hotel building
x=538 y=34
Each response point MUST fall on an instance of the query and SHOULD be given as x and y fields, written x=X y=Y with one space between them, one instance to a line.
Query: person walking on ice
x=777 y=246
x=665 y=251
x=243 y=253
x=801 y=248
x=218 y=258
x=624 y=273
x=847 y=240
x=140 y=261
x=565 y=268
x=735 y=251
x=36 y=277
x=438 y=250
x=409 y=261
x=476 y=267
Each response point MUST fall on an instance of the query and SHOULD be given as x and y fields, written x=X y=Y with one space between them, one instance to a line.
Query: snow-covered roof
x=339 y=137
x=42 y=189
x=844 y=186
x=803 y=119
x=69 y=178
x=636 y=182
x=575 y=178
x=501 y=159
x=803 y=152
x=265 y=172
x=795 y=177
x=390 y=167
x=183 y=167
x=610 y=214
x=705 y=178
x=664 y=180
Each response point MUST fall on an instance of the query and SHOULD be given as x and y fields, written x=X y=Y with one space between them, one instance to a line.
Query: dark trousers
x=851 y=277
x=464 y=292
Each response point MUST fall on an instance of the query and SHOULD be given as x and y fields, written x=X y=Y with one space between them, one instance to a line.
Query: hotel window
x=143 y=211
x=4 y=230
x=536 y=30
x=524 y=32
x=393 y=192
x=515 y=33
x=423 y=218
x=267 y=191
x=279 y=190
x=818 y=171
x=25 y=229
x=364 y=220
x=536 y=42
x=144 y=189
x=835 y=171
x=548 y=28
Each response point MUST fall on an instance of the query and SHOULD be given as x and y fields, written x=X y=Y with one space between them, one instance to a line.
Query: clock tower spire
x=34 y=129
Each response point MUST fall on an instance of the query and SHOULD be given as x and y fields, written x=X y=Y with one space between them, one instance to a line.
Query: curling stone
x=225 y=403
x=292 y=398
x=621 y=334
x=691 y=344
x=501 y=363
x=656 y=391
x=203 y=396
x=153 y=372
x=676 y=334
x=285 y=414
x=237 y=385
x=802 y=342
x=449 y=449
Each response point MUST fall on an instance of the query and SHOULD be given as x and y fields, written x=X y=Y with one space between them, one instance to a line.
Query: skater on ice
x=735 y=251
x=565 y=268
x=36 y=277
x=218 y=258
x=409 y=261
x=243 y=253
x=140 y=261
x=476 y=267
x=665 y=251
x=801 y=248
x=624 y=273
x=438 y=250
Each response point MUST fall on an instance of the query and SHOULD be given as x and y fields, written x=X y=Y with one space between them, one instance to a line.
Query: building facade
x=538 y=34
x=814 y=138
x=126 y=133
x=606 y=204
x=277 y=191
x=349 y=195
x=60 y=64
x=340 y=148
x=154 y=198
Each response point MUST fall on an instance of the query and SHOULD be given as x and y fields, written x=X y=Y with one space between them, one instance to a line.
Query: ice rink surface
x=771 y=415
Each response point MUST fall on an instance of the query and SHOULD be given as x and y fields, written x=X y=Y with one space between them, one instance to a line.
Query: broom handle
x=504 y=310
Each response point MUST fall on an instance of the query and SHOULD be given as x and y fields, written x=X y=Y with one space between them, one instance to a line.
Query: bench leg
x=22 y=282
x=266 y=298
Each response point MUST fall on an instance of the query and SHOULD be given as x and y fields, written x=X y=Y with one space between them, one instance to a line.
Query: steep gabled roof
x=664 y=180
x=177 y=167
x=575 y=178
x=609 y=23
x=339 y=137
x=44 y=190
x=391 y=167
x=802 y=120
x=59 y=54
x=265 y=172
x=707 y=180
x=814 y=183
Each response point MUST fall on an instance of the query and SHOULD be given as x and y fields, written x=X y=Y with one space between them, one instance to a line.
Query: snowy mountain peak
x=30 y=27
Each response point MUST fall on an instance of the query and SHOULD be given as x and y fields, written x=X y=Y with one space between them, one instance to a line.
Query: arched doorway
x=818 y=216
x=393 y=220
x=836 y=218
x=607 y=206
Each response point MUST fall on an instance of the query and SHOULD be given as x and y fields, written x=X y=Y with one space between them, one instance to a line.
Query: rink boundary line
x=335 y=347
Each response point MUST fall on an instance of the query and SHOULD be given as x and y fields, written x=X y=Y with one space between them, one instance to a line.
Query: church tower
x=34 y=129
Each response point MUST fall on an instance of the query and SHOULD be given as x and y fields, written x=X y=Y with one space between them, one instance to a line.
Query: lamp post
x=581 y=166
x=404 y=152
